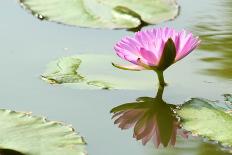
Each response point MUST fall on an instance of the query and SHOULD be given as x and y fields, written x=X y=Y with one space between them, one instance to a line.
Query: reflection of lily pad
x=31 y=135
x=103 y=13
x=205 y=118
x=215 y=31
x=94 y=71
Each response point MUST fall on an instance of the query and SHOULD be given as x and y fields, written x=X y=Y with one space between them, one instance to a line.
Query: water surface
x=28 y=44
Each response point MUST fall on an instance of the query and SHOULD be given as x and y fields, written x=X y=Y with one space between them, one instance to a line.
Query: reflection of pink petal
x=174 y=132
x=132 y=113
x=140 y=126
x=152 y=133
x=119 y=119
x=117 y=114
x=131 y=117
x=145 y=125
x=156 y=137
x=148 y=129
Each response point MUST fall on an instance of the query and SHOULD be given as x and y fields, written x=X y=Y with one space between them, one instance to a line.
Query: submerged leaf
x=24 y=134
x=103 y=13
x=205 y=118
x=89 y=71
x=63 y=70
x=101 y=84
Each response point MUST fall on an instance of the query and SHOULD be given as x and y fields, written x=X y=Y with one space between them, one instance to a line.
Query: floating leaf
x=32 y=135
x=205 y=118
x=103 y=13
x=94 y=71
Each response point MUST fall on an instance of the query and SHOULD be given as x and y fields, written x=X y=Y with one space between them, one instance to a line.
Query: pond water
x=28 y=44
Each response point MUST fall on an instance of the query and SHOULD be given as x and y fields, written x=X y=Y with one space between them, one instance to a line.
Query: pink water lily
x=155 y=49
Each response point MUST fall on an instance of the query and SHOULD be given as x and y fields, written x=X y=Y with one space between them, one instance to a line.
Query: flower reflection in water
x=152 y=119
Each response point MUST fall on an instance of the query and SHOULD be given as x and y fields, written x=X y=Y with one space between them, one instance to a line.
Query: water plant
x=103 y=13
x=24 y=134
x=155 y=49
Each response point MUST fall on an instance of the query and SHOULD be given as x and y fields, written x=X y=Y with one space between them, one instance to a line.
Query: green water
x=27 y=45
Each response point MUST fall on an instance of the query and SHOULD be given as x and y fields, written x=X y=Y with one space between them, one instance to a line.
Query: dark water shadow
x=128 y=11
x=10 y=152
x=215 y=30
x=136 y=29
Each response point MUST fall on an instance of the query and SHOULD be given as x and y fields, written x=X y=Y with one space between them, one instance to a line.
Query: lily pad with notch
x=103 y=13
x=24 y=134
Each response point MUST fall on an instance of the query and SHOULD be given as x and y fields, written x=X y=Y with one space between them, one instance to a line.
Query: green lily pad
x=205 y=118
x=103 y=13
x=89 y=71
x=32 y=135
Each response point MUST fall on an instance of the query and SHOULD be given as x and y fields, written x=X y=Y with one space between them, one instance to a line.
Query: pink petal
x=159 y=48
x=127 y=67
x=148 y=56
x=190 y=43
x=131 y=58
x=144 y=64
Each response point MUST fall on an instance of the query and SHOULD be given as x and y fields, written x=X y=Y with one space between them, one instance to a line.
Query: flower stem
x=160 y=75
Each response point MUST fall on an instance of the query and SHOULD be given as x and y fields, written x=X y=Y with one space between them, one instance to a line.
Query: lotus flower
x=155 y=49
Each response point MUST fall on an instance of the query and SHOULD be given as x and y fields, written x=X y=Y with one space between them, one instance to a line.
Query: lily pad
x=103 y=13
x=205 y=118
x=24 y=134
x=89 y=71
